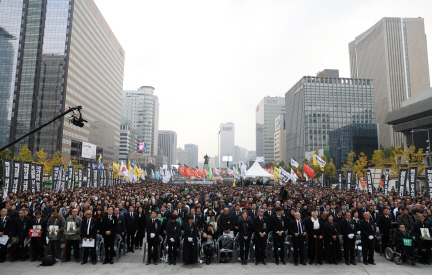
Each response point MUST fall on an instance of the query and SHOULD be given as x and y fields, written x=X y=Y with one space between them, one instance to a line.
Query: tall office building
x=194 y=154
x=183 y=157
x=226 y=143
x=393 y=53
x=317 y=105
x=168 y=143
x=140 y=109
x=56 y=54
x=266 y=112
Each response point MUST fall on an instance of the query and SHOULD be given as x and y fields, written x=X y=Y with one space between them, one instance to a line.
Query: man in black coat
x=279 y=225
x=253 y=212
x=226 y=222
x=297 y=230
x=108 y=228
x=37 y=243
x=121 y=224
x=6 y=226
x=261 y=226
x=20 y=231
x=385 y=224
x=367 y=228
x=236 y=214
x=131 y=227
x=348 y=233
x=421 y=243
x=153 y=232
x=88 y=232
x=173 y=238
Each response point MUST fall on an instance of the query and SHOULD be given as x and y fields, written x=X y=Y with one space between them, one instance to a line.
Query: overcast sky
x=211 y=62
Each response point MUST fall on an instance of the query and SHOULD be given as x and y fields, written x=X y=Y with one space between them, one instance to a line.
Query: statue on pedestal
x=206 y=159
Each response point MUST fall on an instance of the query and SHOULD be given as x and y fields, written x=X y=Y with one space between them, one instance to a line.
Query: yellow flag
x=100 y=158
x=315 y=163
x=234 y=183
x=116 y=169
x=137 y=172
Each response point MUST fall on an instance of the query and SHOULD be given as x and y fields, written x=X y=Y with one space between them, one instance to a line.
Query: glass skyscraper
x=55 y=54
x=314 y=106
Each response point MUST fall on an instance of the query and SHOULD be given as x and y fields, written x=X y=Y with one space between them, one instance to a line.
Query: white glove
x=358 y=232
x=172 y=240
x=370 y=237
x=152 y=235
x=190 y=239
x=350 y=236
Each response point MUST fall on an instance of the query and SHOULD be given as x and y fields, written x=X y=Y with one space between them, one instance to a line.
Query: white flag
x=294 y=163
x=284 y=175
x=260 y=159
x=294 y=176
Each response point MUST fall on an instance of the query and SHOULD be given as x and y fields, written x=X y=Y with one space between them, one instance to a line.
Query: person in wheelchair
x=403 y=242
x=173 y=238
x=207 y=238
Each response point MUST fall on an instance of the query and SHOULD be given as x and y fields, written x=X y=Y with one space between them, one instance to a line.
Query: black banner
x=33 y=178
x=412 y=181
x=369 y=181
x=25 y=176
x=105 y=177
x=357 y=182
x=63 y=179
x=89 y=176
x=39 y=177
x=7 y=177
x=111 y=178
x=16 y=182
x=70 y=181
x=402 y=179
x=340 y=180
x=386 y=182
x=96 y=177
x=80 y=177
x=55 y=178
x=428 y=177
x=349 y=180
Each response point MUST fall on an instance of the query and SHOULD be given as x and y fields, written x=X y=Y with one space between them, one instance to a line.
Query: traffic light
x=387 y=165
x=371 y=165
x=404 y=165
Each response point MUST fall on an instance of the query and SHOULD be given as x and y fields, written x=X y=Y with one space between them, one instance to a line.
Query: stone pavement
x=132 y=264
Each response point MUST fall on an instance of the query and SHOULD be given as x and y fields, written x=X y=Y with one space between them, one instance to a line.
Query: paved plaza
x=132 y=264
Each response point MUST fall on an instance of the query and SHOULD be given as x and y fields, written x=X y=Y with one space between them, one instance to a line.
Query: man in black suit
x=236 y=214
x=131 y=220
x=109 y=227
x=298 y=232
x=279 y=225
x=6 y=226
x=348 y=233
x=153 y=232
x=384 y=225
x=253 y=212
x=89 y=231
x=367 y=228
x=261 y=226
x=37 y=243
x=21 y=231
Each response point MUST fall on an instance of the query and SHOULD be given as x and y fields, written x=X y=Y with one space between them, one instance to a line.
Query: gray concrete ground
x=132 y=263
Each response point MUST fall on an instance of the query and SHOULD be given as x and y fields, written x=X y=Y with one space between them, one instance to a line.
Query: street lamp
x=428 y=141
x=340 y=157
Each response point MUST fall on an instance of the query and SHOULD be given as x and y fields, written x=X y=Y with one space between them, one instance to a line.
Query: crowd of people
x=313 y=217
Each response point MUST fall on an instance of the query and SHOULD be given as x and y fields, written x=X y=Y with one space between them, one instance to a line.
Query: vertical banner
x=89 y=176
x=369 y=181
x=80 y=177
x=16 y=182
x=105 y=172
x=322 y=179
x=96 y=176
x=25 y=177
x=33 y=178
x=70 y=183
x=101 y=178
x=428 y=177
x=111 y=179
x=349 y=180
x=64 y=179
x=39 y=177
x=7 y=177
x=412 y=181
x=386 y=181
x=357 y=182
x=60 y=183
x=340 y=180
x=55 y=178
x=402 y=179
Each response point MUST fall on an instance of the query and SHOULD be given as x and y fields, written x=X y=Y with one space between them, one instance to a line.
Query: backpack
x=47 y=261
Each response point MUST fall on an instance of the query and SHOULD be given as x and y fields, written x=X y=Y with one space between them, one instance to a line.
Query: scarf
x=316 y=224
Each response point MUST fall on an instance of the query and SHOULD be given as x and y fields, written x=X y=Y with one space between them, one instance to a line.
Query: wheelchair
x=391 y=253
x=225 y=244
